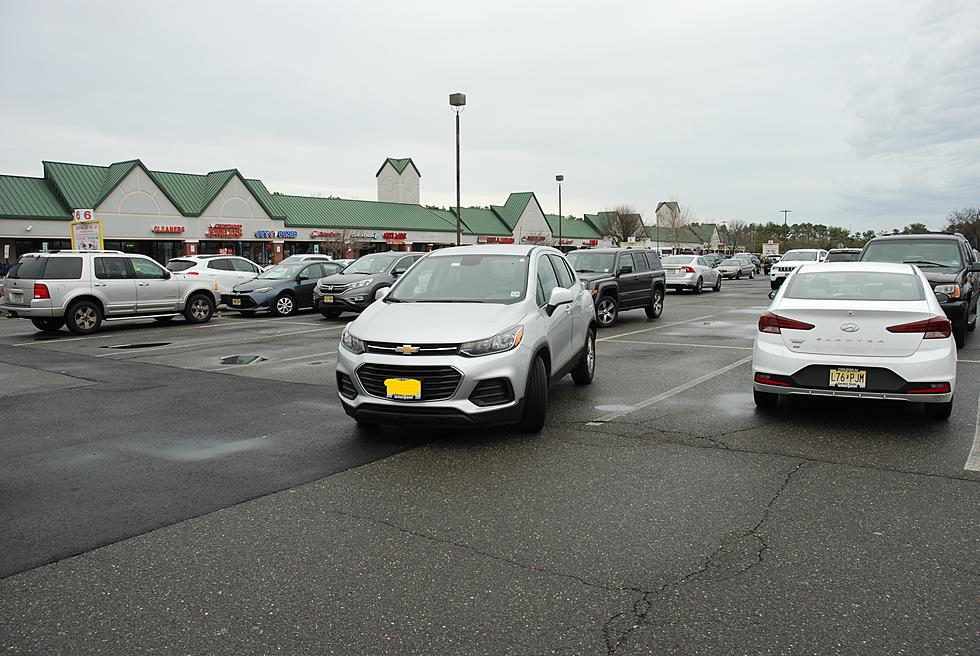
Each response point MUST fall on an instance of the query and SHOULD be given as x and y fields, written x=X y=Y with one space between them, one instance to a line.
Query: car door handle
x=98 y=284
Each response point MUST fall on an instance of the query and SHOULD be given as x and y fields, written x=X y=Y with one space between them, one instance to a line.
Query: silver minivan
x=84 y=288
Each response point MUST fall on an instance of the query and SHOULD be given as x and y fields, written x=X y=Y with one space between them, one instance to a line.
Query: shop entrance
x=259 y=252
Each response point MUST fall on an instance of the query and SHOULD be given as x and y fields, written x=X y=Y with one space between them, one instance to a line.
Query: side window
x=403 y=264
x=244 y=265
x=63 y=268
x=564 y=278
x=146 y=269
x=654 y=261
x=626 y=260
x=221 y=264
x=313 y=272
x=111 y=268
x=547 y=279
x=639 y=262
x=702 y=262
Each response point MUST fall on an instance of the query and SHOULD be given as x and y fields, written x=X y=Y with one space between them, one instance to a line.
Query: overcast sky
x=862 y=114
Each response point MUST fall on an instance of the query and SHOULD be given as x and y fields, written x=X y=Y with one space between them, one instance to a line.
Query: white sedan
x=690 y=272
x=856 y=329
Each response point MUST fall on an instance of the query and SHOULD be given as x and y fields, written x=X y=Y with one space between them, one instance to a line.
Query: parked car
x=736 y=267
x=950 y=265
x=713 y=259
x=749 y=257
x=690 y=272
x=226 y=270
x=353 y=289
x=843 y=255
x=856 y=329
x=282 y=289
x=469 y=335
x=621 y=279
x=345 y=262
x=768 y=262
x=790 y=261
x=308 y=257
x=84 y=288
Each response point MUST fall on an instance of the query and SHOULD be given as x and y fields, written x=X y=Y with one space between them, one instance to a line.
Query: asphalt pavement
x=156 y=500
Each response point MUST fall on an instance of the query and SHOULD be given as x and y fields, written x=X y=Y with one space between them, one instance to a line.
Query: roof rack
x=68 y=250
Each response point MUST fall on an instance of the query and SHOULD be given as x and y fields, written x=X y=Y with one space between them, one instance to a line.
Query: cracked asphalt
x=155 y=501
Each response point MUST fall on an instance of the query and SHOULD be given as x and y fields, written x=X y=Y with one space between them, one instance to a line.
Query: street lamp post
x=457 y=101
x=559 y=179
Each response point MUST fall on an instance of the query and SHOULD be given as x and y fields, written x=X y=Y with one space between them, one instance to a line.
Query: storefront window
x=259 y=252
x=161 y=251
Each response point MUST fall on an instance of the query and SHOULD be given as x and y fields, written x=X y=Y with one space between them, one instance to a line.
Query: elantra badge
x=407 y=349
x=850 y=327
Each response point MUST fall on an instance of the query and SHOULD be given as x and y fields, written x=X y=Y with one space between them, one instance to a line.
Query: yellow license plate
x=849 y=378
x=328 y=299
x=236 y=301
x=403 y=388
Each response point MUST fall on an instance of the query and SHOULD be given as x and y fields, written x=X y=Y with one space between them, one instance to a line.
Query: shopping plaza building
x=164 y=214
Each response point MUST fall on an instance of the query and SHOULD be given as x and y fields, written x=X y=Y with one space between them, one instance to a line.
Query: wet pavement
x=198 y=489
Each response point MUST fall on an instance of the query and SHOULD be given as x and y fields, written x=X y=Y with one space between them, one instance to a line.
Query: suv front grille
x=785 y=269
x=335 y=289
x=492 y=392
x=390 y=348
x=438 y=383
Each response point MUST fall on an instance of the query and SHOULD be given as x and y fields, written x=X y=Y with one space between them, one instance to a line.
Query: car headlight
x=361 y=283
x=262 y=290
x=351 y=343
x=953 y=291
x=502 y=341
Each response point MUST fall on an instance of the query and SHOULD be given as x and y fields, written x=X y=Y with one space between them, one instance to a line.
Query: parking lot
x=199 y=489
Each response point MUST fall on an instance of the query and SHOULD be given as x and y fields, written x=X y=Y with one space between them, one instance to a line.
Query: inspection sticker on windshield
x=515 y=294
x=403 y=388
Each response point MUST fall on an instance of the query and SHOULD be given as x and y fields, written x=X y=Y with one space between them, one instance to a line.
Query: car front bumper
x=955 y=311
x=351 y=301
x=250 y=302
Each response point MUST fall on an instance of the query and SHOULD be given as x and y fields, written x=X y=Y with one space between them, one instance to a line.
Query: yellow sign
x=86 y=235
x=403 y=388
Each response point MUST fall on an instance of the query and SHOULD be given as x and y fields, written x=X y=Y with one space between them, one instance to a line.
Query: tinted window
x=63 y=268
x=376 y=263
x=547 y=279
x=404 y=263
x=843 y=257
x=28 y=267
x=244 y=265
x=654 y=261
x=148 y=270
x=855 y=286
x=626 y=260
x=588 y=262
x=924 y=253
x=221 y=265
x=180 y=265
x=564 y=277
x=111 y=268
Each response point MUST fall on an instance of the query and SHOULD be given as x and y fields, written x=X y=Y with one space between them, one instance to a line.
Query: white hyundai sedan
x=856 y=329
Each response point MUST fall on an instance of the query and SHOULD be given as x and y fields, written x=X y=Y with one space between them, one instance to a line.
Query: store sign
x=593 y=242
x=323 y=234
x=534 y=238
x=265 y=234
x=498 y=240
x=395 y=235
x=273 y=234
x=287 y=234
x=82 y=215
x=364 y=235
x=225 y=230
x=86 y=235
x=168 y=229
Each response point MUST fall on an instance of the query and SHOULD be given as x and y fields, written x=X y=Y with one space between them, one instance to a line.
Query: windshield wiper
x=584 y=271
x=927 y=262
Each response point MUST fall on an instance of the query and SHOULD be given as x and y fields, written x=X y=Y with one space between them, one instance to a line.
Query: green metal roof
x=30 y=198
x=510 y=212
x=315 y=212
x=480 y=221
x=572 y=228
x=399 y=165
x=80 y=185
x=663 y=234
x=191 y=193
x=704 y=231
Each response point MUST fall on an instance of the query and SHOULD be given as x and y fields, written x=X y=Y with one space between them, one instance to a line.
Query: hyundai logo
x=850 y=327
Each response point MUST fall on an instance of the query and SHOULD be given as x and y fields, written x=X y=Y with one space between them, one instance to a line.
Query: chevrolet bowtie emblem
x=407 y=349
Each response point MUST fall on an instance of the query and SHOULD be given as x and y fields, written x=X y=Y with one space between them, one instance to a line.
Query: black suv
x=950 y=265
x=621 y=279
x=354 y=289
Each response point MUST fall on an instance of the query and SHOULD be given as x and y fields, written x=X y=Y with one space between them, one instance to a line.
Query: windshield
x=585 y=262
x=283 y=271
x=375 y=263
x=179 y=265
x=800 y=256
x=925 y=253
x=678 y=259
x=855 y=286
x=463 y=279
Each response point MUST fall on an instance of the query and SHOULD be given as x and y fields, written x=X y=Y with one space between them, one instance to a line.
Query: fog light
x=357 y=299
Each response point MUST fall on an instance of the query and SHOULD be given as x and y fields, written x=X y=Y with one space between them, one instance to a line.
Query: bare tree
x=340 y=242
x=675 y=219
x=967 y=222
x=621 y=223
x=738 y=234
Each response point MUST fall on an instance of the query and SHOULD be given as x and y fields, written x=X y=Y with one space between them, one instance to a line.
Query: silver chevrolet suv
x=84 y=288
x=469 y=336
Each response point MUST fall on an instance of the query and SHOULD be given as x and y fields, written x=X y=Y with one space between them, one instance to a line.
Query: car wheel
x=959 y=333
x=284 y=305
x=535 y=398
x=738 y=275
x=751 y=275
x=939 y=411
x=717 y=286
x=585 y=369
x=606 y=311
x=773 y=286
x=656 y=307
x=972 y=325
x=52 y=325
x=765 y=399
x=699 y=287
x=84 y=318
x=199 y=309
x=331 y=314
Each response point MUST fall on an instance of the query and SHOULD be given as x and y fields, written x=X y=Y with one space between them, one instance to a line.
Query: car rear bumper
x=687 y=282
x=27 y=311
x=854 y=394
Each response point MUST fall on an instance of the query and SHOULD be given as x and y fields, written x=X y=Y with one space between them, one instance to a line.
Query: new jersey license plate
x=403 y=388
x=849 y=378
x=327 y=299
x=236 y=301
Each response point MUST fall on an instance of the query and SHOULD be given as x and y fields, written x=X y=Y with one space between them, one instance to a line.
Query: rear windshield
x=800 y=256
x=29 y=268
x=924 y=253
x=843 y=257
x=678 y=259
x=180 y=265
x=854 y=286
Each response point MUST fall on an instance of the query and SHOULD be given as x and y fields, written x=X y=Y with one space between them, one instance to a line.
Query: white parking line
x=612 y=416
x=973 y=460
x=658 y=326
x=195 y=344
x=970 y=361
x=715 y=346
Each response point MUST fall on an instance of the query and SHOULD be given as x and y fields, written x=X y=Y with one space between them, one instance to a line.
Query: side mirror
x=399 y=271
x=302 y=277
x=625 y=269
x=559 y=296
x=772 y=294
x=167 y=275
x=975 y=267
x=381 y=293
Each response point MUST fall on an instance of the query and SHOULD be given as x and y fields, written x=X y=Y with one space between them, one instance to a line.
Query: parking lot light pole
x=457 y=101
x=559 y=179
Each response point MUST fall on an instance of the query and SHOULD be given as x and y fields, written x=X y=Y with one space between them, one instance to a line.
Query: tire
x=585 y=369
x=751 y=275
x=84 y=317
x=959 y=333
x=199 y=309
x=765 y=400
x=52 y=325
x=939 y=411
x=283 y=306
x=698 y=288
x=773 y=286
x=656 y=307
x=331 y=314
x=738 y=275
x=606 y=311
x=717 y=286
x=972 y=325
x=535 y=398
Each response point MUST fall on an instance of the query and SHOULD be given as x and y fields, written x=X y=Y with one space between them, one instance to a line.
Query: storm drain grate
x=137 y=346
x=242 y=359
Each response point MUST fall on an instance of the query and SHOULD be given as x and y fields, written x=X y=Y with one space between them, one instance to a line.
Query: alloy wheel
x=85 y=318
x=284 y=305
x=605 y=312
x=199 y=309
x=658 y=303
x=590 y=354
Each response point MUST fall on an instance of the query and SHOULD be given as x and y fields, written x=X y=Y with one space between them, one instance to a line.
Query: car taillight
x=770 y=379
x=928 y=388
x=773 y=323
x=191 y=273
x=934 y=328
x=688 y=269
x=41 y=291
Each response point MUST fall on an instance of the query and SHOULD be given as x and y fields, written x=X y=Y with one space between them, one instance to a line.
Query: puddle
x=242 y=359
x=314 y=364
x=136 y=346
